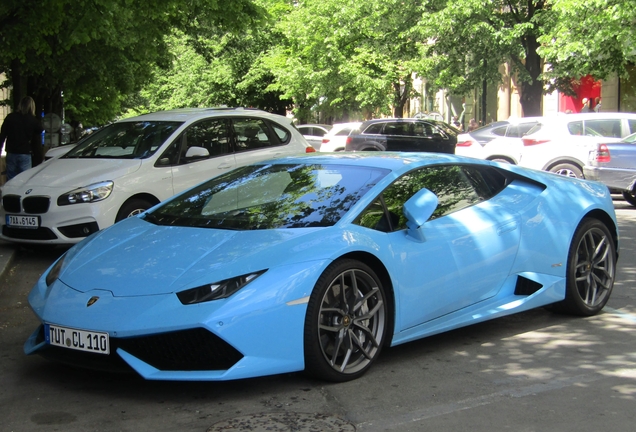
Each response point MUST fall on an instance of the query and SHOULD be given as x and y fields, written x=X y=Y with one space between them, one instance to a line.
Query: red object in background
x=588 y=87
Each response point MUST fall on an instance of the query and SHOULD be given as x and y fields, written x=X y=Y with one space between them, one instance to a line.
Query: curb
x=7 y=252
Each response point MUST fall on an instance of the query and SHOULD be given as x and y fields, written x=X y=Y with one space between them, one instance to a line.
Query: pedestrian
x=586 y=105
x=597 y=104
x=22 y=132
x=472 y=125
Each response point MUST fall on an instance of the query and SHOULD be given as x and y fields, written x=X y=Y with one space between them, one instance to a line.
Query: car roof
x=187 y=114
x=326 y=126
x=394 y=161
x=565 y=118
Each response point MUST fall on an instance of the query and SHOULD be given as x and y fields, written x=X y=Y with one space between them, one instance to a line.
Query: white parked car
x=562 y=143
x=314 y=133
x=336 y=139
x=129 y=166
x=499 y=141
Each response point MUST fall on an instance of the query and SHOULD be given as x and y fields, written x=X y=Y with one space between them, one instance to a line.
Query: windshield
x=270 y=196
x=125 y=140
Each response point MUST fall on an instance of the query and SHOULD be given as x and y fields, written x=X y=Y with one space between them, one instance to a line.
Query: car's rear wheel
x=630 y=197
x=132 y=207
x=568 y=170
x=591 y=269
x=346 y=322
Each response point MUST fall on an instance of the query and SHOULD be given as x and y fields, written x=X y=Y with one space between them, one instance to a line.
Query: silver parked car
x=615 y=165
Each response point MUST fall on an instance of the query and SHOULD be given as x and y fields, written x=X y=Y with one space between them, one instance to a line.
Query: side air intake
x=526 y=287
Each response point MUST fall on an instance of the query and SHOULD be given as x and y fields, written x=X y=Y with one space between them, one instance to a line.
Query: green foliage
x=594 y=37
x=98 y=51
x=216 y=68
x=341 y=56
x=469 y=40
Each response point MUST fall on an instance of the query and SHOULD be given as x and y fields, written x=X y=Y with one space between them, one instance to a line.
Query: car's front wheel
x=346 y=322
x=568 y=170
x=590 y=271
x=132 y=207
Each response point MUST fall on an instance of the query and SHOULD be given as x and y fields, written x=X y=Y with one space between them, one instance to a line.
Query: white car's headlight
x=86 y=194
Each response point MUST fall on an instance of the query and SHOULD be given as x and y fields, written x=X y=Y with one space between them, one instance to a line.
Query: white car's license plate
x=17 y=221
x=81 y=340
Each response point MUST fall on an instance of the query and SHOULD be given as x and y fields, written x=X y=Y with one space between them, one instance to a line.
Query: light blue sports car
x=317 y=262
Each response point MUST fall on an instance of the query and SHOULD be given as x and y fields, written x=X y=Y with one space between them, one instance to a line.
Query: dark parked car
x=615 y=165
x=409 y=135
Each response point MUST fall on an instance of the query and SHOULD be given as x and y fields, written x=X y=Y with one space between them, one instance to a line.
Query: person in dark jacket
x=22 y=132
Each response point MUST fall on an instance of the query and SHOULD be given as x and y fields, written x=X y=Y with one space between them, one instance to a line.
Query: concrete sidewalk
x=7 y=251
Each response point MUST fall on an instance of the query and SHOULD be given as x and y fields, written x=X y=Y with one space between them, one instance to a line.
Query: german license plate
x=81 y=340
x=17 y=221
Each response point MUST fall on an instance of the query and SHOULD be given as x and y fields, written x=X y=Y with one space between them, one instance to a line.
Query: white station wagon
x=133 y=164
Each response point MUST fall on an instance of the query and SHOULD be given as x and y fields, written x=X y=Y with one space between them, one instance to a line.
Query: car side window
x=604 y=127
x=282 y=133
x=251 y=134
x=397 y=129
x=632 y=126
x=423 y=129
x=456 y=188
x=517 y=131
x=575 y=128
x=211 y=134
x=375 y=128
x=318 y=132
x=500 y=131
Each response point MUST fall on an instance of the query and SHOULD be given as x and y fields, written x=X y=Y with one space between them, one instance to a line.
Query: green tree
x=346 y=55
x=469 y=40
x=590 y=37
x=93 y=53
x=216 y=69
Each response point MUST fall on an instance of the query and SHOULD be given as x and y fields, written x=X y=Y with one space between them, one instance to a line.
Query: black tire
x=345 y=329
x=568 y=170
x=132 y=207
x=630 y=197
x=591 y=270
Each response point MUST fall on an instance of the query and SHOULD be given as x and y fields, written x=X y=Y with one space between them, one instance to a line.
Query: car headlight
x=87 y=194
x=55 y=271
x=215 y=291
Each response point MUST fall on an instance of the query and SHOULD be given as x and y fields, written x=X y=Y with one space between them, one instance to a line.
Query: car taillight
x=532 y=141
x=310 y=149
x=325 y=140
x=466 y=143
x=603 y=154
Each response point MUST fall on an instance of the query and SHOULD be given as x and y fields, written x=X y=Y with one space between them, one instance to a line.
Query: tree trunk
x=531 y=93
x=401 y=93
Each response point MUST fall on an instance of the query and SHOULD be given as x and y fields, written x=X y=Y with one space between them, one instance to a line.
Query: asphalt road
x=535 y=371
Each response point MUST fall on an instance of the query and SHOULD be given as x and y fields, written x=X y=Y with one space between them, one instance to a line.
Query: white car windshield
x=125 y=140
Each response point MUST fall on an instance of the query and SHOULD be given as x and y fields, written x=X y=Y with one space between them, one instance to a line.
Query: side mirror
x=197 y=153
x=417 y=210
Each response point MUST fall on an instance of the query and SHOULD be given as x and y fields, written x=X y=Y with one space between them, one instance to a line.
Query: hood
x=73 y=173
x=134 y=257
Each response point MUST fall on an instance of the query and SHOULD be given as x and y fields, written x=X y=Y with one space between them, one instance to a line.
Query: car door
x=471 y=242
x=209 y=136
x=429 y=138
x=398 y=137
